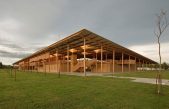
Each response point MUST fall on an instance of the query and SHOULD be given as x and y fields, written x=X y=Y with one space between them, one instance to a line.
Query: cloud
x=4 y=53
x=27 y=25
x=11 y=52
x=7 y=44
x=151 y=51
x=9 y=30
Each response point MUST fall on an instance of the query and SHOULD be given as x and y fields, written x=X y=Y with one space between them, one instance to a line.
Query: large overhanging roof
x=77 y=39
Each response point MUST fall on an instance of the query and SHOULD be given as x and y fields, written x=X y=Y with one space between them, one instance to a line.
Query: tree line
x=4 y=66
x=165 y=66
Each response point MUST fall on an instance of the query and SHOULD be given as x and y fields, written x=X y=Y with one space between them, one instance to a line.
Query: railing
x=80 y=64
x=125 y=61
x=77 y=66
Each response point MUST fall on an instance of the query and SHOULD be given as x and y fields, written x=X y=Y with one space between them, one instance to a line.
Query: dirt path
x=143 y=80
x=134 y=79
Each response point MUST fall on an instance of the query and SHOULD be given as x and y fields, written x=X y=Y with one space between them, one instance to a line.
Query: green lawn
x=144 y=74
x=37 y=91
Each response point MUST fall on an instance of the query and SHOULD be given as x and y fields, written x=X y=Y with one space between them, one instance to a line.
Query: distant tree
x=156 y=66
x=164 y=66
x=161 y=25
x=1 y=65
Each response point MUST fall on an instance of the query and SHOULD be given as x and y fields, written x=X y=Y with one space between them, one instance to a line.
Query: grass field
x=37 y=91
x=144 y=74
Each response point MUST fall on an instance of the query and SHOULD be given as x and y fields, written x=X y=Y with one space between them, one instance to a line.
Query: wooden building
x=84 y=51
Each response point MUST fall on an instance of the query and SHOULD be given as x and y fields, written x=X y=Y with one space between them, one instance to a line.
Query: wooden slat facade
x=97 y=54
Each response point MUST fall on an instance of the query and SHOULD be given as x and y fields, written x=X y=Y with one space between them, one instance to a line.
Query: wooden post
x=113 y=60
x=45 y=68
x=122 y=62
x=15 y=73
x=71 y=64
x=135 y=64
x=101 y=58
x=28 y=66
x=38 y=66
x=59 y=67
x=84 y=62
x=49 y=62
x=23 y=67
x=56 y=61
x=106 y=63
x=96 y=61
x=139 y=64
x=67 y=58
x=129 y=64
x=150 y=66
x=33 y=67
x=143 y=65
x=44 y=65
x=146 y=65
x=106 y=57
x=11 y=72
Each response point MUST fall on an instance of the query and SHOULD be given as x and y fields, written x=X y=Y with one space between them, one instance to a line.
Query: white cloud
x=8 y=61
x=9 y=24
x=28 y=25
x=9 y=29
x=151 y=51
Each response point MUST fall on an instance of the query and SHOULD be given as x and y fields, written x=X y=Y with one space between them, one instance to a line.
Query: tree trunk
x=158 y=78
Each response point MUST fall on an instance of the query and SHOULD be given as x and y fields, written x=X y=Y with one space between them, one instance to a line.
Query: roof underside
x=77 y=39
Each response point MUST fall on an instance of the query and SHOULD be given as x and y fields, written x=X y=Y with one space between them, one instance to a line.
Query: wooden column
x=129 y=64
x=49 y=62
x=96 y=61
x=106 y=63
x=149 y=65
x=135 y=64
x=38 y=66
x=28 y=65
x=45 y=60
x=122 y=69
x=31 y=68
x=84 y=62
x=101 y=58
x=35 y=66
x=44 y=65
x=106 y=57
x=143 y=65
x=57 y=61
x=67 y=58
x=113 y=60
x=139 y=64
x=71 y=62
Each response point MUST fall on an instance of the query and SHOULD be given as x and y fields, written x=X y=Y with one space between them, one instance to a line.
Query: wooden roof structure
x=76 y=40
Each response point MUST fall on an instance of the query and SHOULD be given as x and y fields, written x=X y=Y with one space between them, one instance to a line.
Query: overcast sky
x=28 y=25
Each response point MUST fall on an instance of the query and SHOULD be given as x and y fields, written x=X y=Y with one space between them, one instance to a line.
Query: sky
x=29 y=25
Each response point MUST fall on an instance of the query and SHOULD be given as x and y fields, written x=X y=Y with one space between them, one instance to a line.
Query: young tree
x=161 y=25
